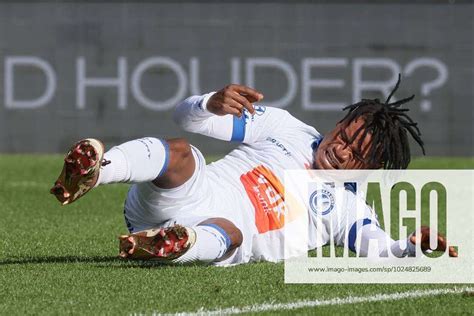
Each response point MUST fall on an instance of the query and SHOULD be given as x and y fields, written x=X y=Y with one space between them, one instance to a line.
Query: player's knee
x=236 y=237
x=180 y=166
x=239 y=238
x=180 y=153
x=180 y=147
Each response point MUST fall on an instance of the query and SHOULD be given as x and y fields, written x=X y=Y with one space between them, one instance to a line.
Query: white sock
x=136 y=161
x=212 y=242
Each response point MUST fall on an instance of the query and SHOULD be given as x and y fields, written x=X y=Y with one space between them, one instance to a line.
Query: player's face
x=335 y=152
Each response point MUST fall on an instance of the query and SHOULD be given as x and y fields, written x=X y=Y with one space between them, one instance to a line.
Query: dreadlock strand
x=389 y=126
x=394 y=89
x=402 y=101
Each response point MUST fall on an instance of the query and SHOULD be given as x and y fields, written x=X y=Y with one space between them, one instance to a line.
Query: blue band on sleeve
x=353 y=233
x=167 y=156
x=238 y=129
x=222 y=232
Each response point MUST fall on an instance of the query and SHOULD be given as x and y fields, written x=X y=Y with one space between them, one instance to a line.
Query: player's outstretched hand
x=424 y=238
x=233 y=99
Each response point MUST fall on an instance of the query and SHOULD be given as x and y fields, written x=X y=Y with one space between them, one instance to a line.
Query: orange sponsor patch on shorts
x=266 y=193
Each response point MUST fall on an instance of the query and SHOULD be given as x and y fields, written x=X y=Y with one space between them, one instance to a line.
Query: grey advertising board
x=115 y=70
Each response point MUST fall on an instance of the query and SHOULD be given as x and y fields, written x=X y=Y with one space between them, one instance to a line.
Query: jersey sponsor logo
x=321 y=202
x=259 y=111
x=279 y=145
x=266 y=193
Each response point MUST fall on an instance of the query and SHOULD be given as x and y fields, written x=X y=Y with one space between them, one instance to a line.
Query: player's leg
x=151 y=214
x=168 y=163
x=148 y=162
x=183 y=178
x=214 y=239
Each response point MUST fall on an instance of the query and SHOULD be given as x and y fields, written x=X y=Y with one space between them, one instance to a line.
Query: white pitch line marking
x=27 y=184
x=316 y=303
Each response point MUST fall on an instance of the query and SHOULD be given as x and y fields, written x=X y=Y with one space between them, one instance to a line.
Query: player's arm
x=229 y=114
x=364 y=229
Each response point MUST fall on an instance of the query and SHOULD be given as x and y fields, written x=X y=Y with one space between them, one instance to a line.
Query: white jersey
x=245 y=187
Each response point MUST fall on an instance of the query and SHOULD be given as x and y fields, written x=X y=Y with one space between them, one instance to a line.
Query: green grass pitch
x=63 y=260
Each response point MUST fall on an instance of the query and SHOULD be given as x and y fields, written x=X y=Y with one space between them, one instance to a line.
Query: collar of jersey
x=316 y=142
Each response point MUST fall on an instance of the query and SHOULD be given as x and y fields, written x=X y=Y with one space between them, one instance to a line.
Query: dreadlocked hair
x=388 y=124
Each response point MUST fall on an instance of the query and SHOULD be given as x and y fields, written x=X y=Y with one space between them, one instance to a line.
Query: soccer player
x=180 y=210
